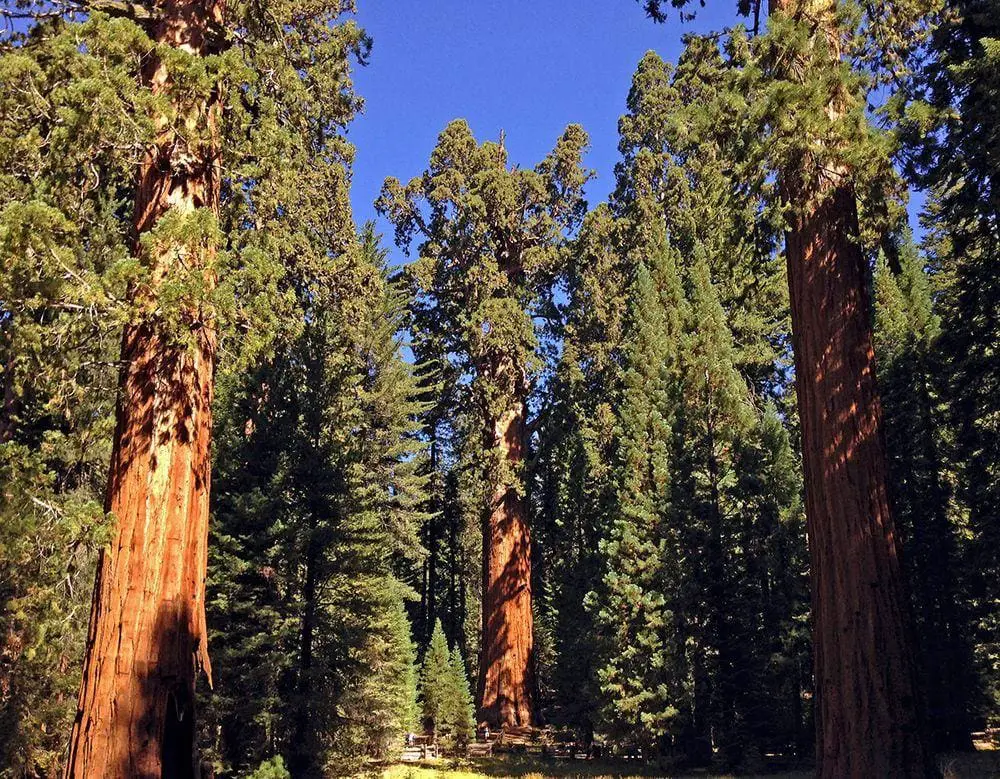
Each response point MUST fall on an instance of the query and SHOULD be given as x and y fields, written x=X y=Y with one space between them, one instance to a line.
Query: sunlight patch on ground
x=497 y=768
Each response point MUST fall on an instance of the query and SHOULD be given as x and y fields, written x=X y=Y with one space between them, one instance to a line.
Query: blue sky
x=527 y=67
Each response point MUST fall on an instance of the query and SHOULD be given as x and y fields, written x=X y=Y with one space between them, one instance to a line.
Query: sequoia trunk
x=866 y=707
x=147 y=636
x=506 y=676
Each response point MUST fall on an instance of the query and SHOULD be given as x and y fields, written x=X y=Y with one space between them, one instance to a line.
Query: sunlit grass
x=953 y=766
x=533 y=768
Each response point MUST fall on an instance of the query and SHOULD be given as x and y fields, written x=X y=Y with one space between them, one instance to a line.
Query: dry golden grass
x=979 y=765
x=529 y=768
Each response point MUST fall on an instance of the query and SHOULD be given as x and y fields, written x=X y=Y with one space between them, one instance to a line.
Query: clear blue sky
x=529 y=67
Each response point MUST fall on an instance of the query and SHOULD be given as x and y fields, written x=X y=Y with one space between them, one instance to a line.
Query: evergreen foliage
x=573 y=468
x=950 y=138
x=445 y=697
x=435 y=683
x=489 y=241
x=910 y=377
x=74 y=122
x=461 y=714
x=317 y=502
x=705 y=471
x=270 y=769
x=642 y=347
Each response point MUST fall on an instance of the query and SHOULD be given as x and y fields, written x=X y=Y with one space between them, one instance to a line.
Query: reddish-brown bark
x=867 y=720
x=147 y=635
x=506 y=676
x=866 y=705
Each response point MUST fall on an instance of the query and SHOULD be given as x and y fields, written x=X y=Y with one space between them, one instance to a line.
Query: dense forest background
x=637 y=351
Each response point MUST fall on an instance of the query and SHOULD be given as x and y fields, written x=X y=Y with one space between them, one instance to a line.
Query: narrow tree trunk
x=8 y=407
x=726 y=738
x=303 y=753
x=454 y=625
x=147 y=636
x=428 y=570
x=698 y=740
x=432 y=567
x=506 y=675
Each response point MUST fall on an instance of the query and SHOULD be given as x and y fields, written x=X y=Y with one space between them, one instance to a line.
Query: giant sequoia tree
x=489 y=244
x=164 y=249
x=867 y=718
x=147 y=635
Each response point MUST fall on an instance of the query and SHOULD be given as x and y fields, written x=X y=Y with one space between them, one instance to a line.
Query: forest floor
x=977 y=765
x=539 y=768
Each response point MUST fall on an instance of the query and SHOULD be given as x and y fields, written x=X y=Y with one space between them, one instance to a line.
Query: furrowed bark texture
x=506 y=676
x=866 y=711
x=867 y=720
x=147 y=636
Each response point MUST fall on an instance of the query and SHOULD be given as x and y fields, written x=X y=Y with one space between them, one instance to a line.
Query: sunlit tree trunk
x=506 y=676
x=866 y=705
x=147 y=636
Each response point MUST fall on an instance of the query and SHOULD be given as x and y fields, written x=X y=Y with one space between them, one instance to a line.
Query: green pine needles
x=445 y=699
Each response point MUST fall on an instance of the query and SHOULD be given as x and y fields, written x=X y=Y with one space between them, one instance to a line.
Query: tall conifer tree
x=820 y=147
x=318 y=504
x=574 y=475
x=489 y=242
x=951 y=137
x=165 y=234
x=906 y=340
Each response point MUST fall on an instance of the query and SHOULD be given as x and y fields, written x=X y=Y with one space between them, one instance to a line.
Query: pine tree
x=810 y=100
x=380 y=708
x=436 y=684
x=729 y=479
x=146 y=644
x=461 y=713
x=853 y=544
x=907 y=332
x=573 y=470
x=945 y=118
x=638 y=660
x=319 y=492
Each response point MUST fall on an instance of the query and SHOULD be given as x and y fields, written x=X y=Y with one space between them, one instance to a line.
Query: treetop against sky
x=529 y=67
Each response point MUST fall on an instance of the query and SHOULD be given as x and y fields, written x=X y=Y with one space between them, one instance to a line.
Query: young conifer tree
x=573 y=472
x=461 y=711
x=436 y=684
